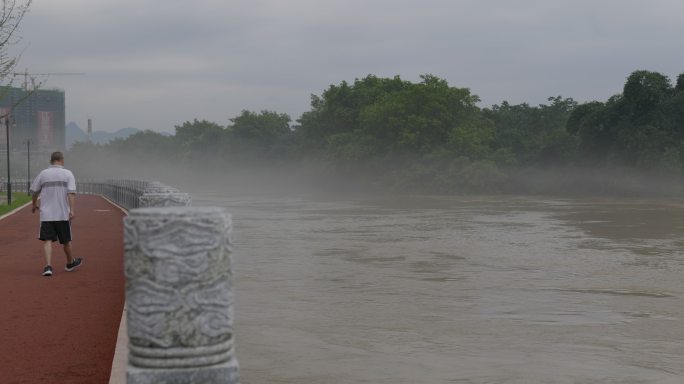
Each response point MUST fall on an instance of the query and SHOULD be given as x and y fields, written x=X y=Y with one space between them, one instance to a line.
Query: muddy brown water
x=457 y=290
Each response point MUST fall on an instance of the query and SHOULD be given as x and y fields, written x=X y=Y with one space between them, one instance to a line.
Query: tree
x=643 y=91
x=11 y=15
x=145 y=143
x=642 y=127
x=533 y=134
x=680 y=83
x=261 y=129
x=199 y=140
x=338 y=110
x=378 y=117
x=258 y=136
x=587 y=122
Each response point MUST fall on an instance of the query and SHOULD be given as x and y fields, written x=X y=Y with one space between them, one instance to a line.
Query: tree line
x=431 y=136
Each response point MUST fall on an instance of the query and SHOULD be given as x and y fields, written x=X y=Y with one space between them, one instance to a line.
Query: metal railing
x=18 y=185
x=130 y=193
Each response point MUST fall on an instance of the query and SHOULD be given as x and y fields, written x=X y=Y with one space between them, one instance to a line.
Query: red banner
x=45 y=129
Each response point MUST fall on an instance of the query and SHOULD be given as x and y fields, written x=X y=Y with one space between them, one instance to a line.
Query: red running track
x=61 y=329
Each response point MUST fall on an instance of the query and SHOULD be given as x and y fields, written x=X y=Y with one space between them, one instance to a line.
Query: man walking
x=56 y=187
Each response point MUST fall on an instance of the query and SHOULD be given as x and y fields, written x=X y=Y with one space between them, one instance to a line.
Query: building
x=36 y=115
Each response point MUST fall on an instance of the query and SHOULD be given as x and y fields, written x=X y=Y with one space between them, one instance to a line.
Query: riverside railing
x=131 y=194
x=179 y=295
x=18 y=185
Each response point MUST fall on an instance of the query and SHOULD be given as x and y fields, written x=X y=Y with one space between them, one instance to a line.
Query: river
x=456 y=289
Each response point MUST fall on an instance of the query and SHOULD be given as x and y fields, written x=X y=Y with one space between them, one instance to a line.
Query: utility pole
x=9 y=175
x=28 y=173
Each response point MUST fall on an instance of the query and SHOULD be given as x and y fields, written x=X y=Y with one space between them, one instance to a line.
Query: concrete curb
x=15 y=210
x=118 y=374
x=120 y=360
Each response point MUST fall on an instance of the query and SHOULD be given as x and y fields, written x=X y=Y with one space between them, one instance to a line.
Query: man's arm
x=35 y=192
x=71 y=190
x=34 y=200
x=72 y=205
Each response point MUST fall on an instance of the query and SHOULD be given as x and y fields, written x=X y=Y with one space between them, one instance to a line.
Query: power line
x=33 y=76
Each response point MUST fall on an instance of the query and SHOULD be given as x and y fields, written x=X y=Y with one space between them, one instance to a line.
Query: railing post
x=179 y=296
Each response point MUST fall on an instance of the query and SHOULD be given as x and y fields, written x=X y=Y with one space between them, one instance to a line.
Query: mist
x=339 y=282
x=305 y=178
x=420 y=192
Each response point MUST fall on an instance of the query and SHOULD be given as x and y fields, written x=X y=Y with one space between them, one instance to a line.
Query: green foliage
x=643 y=92
x=428 y=136
x=585 y=123
x=680 y=83
x=339 y=109
x=257 y=135
x=456 y=176
x=643 y=127
x=351 y=147
x=472 y=139
x=144 y=142
x=533 y=134
x=18 y=199
x=198 y=141
x=384 y=117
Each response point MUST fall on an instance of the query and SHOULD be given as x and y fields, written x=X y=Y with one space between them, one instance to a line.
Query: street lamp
x=28 y=173
x=9 y=176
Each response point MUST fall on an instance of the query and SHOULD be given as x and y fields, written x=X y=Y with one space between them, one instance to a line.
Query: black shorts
x=54 y=230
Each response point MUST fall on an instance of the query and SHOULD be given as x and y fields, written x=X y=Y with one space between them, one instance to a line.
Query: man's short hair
x=56 y=156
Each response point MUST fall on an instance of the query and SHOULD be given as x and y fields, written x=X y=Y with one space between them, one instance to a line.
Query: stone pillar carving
x=179 y=296
x=164 y=200
x=157 y=187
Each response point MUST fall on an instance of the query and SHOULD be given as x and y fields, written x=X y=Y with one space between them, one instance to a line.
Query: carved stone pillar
x=164 y=200
x=157 y=187
x=179 y=296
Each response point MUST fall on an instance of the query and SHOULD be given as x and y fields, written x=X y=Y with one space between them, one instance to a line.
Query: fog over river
x=456 y=289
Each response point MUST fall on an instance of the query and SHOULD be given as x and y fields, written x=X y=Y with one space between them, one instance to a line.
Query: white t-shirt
x=54 y=185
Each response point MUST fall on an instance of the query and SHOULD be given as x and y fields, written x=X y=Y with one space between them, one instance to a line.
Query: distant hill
x=74 y=133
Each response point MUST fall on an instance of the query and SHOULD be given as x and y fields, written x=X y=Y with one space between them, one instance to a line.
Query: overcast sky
x=154 y=64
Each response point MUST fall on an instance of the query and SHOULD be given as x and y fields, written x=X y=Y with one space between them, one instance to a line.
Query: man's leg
x=47 y=248
x=72 y=262
x=64 y=236
x=67 y=253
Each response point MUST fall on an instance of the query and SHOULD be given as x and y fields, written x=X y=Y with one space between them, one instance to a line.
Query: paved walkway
x=61 y=329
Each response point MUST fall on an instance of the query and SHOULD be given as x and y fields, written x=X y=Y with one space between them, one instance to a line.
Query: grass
x=18 y=199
